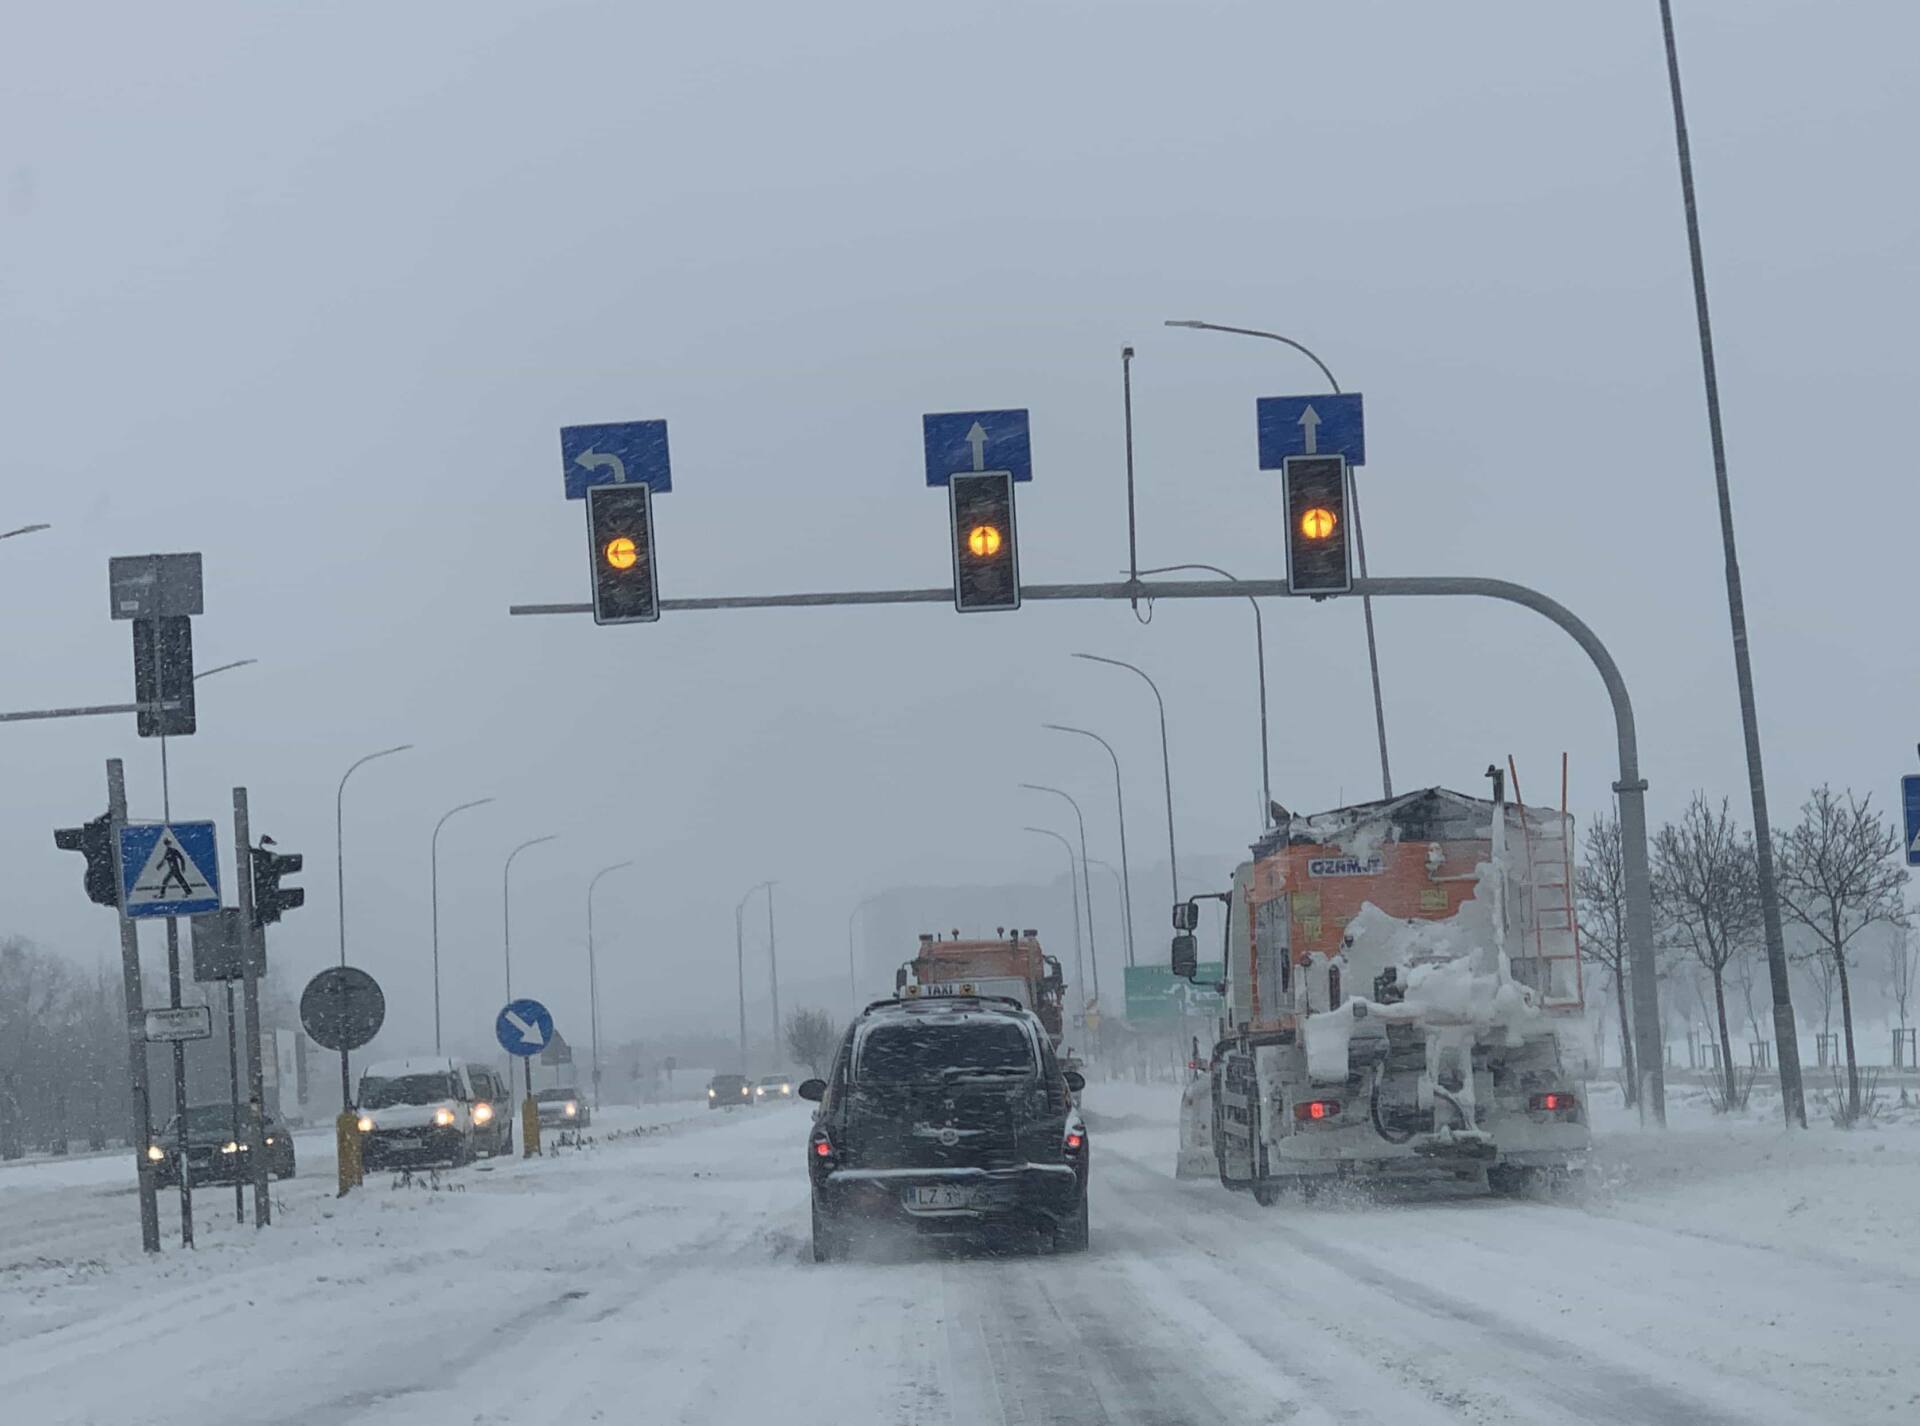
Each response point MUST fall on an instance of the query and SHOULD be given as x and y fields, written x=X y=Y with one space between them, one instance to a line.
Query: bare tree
x=1707 y=883
x=1600 y=887
x=1839 y=874
x=811 y=1038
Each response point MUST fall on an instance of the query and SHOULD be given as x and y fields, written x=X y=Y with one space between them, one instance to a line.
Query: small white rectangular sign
x=186 y=1022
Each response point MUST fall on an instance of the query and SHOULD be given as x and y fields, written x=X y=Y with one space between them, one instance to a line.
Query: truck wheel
x=1266 y=1192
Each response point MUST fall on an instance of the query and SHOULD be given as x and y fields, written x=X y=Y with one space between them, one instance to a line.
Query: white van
x=416 y=1111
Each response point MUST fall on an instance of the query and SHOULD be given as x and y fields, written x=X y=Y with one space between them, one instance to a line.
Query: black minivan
x=947 y=1117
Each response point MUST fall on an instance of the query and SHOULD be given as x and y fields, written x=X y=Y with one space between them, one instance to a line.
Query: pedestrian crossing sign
x=169 y=869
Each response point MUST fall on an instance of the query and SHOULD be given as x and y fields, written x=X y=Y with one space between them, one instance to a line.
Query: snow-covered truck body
x=1013 y=966
x=1403 y=996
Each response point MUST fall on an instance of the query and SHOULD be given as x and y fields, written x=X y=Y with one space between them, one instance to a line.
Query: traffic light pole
x=1630 y=789
x=142 y=1125
x=250 y=981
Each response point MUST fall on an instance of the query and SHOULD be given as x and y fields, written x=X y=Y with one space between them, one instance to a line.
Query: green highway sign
x=1156 y=993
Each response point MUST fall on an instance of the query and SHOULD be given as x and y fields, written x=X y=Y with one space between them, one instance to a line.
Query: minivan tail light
x=822 y=1145
x=1313 y=1111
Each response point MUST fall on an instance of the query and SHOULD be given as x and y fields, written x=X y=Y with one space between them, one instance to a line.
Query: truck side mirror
x=1186 y=916
x=1186 y=956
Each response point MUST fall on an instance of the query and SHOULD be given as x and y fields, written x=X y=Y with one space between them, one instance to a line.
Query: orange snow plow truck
x=1402 y=998
x=1013 y=966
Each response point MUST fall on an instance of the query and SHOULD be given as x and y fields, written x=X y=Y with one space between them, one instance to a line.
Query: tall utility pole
x=853 y=973
x=1786 y=1032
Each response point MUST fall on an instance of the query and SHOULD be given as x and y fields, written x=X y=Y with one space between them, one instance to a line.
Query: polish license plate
x=935 y=1197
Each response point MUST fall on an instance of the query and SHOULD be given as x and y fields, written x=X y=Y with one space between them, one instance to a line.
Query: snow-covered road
x=665 y=1278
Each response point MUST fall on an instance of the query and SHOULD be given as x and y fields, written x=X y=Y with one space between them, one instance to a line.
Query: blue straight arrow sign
x=960 y=442
x=1910 y=797
x=1332 y=425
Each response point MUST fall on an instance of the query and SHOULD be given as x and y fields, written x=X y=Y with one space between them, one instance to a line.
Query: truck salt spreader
x=1403 y=997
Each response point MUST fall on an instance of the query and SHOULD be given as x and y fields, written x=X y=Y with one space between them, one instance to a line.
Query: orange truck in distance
x=1012 y=965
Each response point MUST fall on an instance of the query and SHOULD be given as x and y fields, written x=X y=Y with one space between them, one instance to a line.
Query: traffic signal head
x=270 y=898
x=620 y=554
x=94 y=840
x=1318 y=544
x=986 y=557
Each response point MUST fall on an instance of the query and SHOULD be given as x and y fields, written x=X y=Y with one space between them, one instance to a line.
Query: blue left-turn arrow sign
x=615 y=453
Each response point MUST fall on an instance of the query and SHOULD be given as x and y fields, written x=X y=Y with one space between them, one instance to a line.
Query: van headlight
x=483 y=1113
x=443 y=1117
x=155 y=1153
x=572 y=1109
x=366 y=1123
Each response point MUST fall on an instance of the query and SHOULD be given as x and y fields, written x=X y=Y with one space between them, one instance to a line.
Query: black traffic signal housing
x=1319 y=544
x=162 y=674
x=95 y=841
x=620 y=553
x=986 y=554
x=270 y=898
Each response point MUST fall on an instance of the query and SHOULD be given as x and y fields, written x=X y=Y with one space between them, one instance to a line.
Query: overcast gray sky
x=311 y=289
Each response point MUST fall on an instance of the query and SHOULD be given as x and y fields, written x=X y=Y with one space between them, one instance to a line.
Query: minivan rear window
x=906 y=1053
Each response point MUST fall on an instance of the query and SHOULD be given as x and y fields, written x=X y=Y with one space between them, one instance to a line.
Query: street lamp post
x=339 y=837
x=1359 y=539
x=435 y=894
x=773 y=973
x=1120 y=809
x=1086 y=880
x=593 y=980
x=740 y=961
x=853 y=978
x=506 y=912
x=23 y=530
x=1785 y=1030
x=1166 y=762
x=1073 y=896
x=1260 y=657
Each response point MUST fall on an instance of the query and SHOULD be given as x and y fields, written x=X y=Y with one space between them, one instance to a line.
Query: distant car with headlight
x=416 y=1113
x=729 y=1091
x=492 y=1112
x=773 y=1089
x=562 y=1108
x=214 y=1153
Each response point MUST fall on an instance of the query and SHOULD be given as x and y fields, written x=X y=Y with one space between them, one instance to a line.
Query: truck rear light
x=1313 y=1110
x=1558 y=1102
